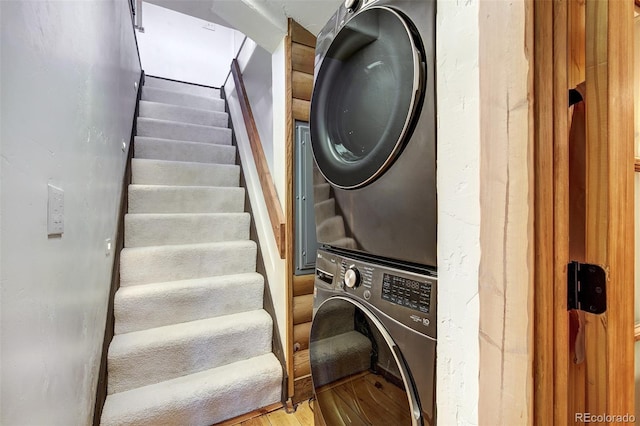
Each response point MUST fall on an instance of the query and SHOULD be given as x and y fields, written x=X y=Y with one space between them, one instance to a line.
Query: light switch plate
x=55 y=211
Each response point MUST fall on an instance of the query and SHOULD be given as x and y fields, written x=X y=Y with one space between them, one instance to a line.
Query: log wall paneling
x=301 y=109
x=300 y=35
x=299 y=56
x=302 y=85
x=302 y=58
x=301 y=336
x=303 y=284
x=303 y=389
x=301 y=366
x=302 y=308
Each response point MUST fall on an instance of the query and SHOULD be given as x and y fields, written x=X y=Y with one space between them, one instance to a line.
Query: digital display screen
x=406 y=292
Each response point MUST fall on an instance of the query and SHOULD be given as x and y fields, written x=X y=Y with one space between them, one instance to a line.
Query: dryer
x=372 y=344
x=373 y=132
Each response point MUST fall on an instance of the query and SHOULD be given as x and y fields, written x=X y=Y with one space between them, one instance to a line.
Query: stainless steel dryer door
x=359 y=375
x=366 y=93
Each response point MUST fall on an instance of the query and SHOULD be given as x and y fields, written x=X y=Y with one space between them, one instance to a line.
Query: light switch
x=55 y=211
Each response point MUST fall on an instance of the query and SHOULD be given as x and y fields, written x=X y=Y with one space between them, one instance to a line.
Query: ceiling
x=264 y=21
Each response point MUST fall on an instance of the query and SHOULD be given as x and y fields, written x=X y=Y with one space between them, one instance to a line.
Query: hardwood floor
x=385 y=405
x=303 y=416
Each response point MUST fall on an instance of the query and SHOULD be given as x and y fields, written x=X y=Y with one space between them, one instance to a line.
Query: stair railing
x=274 y=208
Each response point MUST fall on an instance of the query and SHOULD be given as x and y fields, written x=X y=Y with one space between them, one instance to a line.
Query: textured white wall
x=67 y=103
x=177 y=46
x=458 y=109
x=274 y=266
x=256 y=74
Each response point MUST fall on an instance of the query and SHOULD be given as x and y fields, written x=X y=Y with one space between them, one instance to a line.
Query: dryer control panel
x=403 y=295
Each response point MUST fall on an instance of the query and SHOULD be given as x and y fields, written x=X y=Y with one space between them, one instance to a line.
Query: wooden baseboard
x=255 y=413
x=303 y=389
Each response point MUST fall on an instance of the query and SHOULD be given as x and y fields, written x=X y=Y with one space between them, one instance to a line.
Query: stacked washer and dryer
x=373 y=337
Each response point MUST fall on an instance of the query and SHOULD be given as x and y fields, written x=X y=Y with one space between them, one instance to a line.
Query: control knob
x=352 y=277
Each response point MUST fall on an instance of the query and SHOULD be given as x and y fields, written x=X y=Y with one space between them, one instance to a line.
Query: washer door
x=366 y=93
x=358 y=373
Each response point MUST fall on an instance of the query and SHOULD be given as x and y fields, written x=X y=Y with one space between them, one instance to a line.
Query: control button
x=352 y=277
x=367 y=294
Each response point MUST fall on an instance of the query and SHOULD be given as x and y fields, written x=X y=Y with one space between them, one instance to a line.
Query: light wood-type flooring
x=303 y=416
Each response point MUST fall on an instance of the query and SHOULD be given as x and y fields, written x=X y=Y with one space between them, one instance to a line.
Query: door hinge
x=587 y=288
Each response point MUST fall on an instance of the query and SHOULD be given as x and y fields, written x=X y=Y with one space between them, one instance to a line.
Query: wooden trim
x=302 y=58
x=289 y=200
x=636 y=332
x=543 y=214
x=560 y=211
x=301 y=109
x=255 y=413
x=266 y=181
x=303 y=284
x=620 y=257
x=505 y=286
x=300 y=35
x=594 y=381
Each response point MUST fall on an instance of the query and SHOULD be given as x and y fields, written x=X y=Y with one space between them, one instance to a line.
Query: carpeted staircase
x=192 y=343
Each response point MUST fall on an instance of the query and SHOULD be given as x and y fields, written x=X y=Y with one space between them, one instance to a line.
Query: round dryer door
x=358 y=373
x=366 y=93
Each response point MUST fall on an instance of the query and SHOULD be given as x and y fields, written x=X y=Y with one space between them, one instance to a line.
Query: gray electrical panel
x=306 y=243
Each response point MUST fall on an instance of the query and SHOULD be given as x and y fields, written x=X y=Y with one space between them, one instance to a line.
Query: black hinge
x=587 y=288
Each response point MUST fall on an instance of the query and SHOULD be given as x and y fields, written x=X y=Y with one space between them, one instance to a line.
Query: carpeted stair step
x=160 y=172
x=171 y=150
x=321 y=192
x=182 y=99
x=331 y=229
x=151 y=356
x=178 y=86
x=143 y=265
x=203 y=398
x=185 y=199
x=325 y=209
x=330 y=355
x=140 y=307
x=153 y=128
x=153 y=229
x=183 y=114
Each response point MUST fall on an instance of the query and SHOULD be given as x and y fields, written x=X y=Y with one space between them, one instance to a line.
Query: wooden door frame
x=609 y=76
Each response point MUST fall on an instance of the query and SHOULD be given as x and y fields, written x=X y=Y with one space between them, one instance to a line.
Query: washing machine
x=372 y=344
x=373 y=133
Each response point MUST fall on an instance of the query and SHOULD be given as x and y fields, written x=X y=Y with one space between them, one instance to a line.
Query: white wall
x=458 y=97
x=274 y=266
x=178 y=47
x=256 y=74
x=67 y=103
